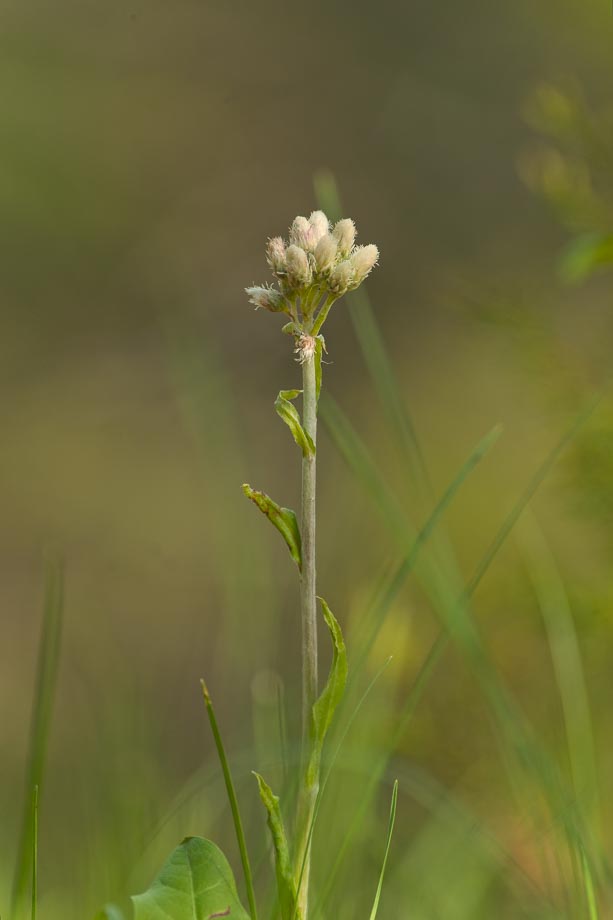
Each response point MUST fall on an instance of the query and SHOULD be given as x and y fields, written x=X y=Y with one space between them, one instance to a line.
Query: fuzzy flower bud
x=267 y=298
x=325 y=253
x=344 y=233
x=320 y=226
x=297 y=265
x=275 y=254
x=305 y=348
x=301 y=234
x=341 y=277
x=363 y=261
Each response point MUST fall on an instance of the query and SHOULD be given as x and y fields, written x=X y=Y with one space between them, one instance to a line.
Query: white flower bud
x=363 y=261
x=297 y=265
x=301 y=234
x=275 y=254
x=320 y=225
x=325 y=253
x=344 y=233
x=341 y=277
x=267 y=298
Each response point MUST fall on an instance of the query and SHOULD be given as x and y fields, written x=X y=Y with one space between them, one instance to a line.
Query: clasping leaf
x=290 y=416
x=285 y=880
x=325 y=707
x=284 y=519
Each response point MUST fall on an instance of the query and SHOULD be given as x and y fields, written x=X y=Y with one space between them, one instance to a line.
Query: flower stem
x=308 y=607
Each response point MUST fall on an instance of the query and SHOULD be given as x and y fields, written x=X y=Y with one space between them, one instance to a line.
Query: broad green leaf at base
x=196 y=883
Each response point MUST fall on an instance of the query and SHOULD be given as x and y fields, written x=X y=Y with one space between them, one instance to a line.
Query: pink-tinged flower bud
x=364 y=260
x=341 y=277
x=325 y=253
x=305 y=348
x=301 y=234
x=275 y=254
x=297 y=266
x=267 y=298
x=320 y=225
x=344 y=233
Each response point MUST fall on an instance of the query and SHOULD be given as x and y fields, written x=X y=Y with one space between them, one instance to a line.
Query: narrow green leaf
x=284 y=519
x=390 y=831
x=588 y=884
x=196 y=883
x=283 y=863
x=565 y=650
x=48 y=660
x=288 y=412
x=331 y=695
x=236 y=816
x=34 y=853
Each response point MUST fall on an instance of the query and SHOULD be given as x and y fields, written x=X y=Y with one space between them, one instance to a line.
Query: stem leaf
x=284 y=519
x=331 y=695
x=288 y=412
x=283 y=863
x=196 y=883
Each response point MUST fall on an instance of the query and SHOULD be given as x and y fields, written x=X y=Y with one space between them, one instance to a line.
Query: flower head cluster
x=317 y=265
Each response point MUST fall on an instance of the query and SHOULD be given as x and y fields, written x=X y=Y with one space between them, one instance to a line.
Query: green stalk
x=308 y=609
x=238 y=824
x=323 y=313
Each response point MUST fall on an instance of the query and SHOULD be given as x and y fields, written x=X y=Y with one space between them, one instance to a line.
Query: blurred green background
x=148 y=151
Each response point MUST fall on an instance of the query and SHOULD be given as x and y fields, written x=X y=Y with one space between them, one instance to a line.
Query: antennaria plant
x=312 y=271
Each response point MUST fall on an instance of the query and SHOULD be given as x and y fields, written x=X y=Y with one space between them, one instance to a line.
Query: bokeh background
x=148 y=151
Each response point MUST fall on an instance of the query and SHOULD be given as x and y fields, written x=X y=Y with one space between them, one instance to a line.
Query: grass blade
x=34 y=852
x=390 y=831
x=373 y=348
x=376 y=487
x=566 y=655
x=42 y=709
x=238 y=824
x=407 y=565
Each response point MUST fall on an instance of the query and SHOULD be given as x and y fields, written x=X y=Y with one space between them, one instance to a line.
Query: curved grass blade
x=238 y=824
x=390 y=831
x=48 y=660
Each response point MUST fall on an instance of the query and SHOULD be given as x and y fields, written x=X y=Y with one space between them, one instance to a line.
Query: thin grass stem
x=238 y=824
